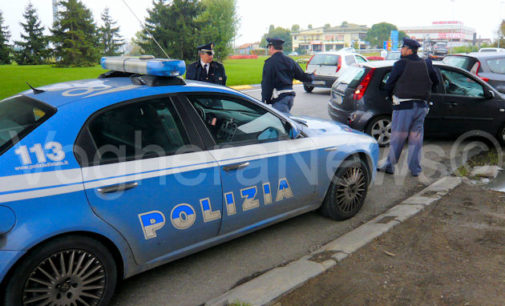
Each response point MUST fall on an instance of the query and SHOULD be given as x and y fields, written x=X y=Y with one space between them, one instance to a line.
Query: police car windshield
x=18 y=117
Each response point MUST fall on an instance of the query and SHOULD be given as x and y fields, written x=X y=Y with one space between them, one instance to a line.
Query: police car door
x=145 y=177
x=264 y=173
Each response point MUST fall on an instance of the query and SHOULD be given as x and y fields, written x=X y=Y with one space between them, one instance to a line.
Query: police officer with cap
x=206 y=69
x=278 y=74
x=409 y=86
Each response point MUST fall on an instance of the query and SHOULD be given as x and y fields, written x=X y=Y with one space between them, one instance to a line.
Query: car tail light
x=477 y=73
x=310 y=60
x=360 y=90
x=339 y=64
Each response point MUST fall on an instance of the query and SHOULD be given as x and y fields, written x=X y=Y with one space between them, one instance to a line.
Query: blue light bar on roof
x=147 y=65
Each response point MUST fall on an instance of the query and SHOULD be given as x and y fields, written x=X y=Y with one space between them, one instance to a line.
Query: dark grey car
x=460 y=103
x=489 y=66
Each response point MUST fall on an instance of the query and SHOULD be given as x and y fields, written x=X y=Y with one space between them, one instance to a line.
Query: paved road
x=200 y=277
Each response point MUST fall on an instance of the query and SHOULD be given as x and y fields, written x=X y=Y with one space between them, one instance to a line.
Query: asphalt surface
x=198 y=278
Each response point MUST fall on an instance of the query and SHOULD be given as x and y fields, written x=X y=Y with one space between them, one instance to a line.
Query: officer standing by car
x=409 y=86
x=278 y=74
x=207 y=70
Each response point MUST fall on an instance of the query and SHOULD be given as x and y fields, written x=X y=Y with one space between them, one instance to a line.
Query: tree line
x=76 y=40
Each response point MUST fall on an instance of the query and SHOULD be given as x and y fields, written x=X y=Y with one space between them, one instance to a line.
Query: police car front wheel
x=347 y=191
x=71 y=270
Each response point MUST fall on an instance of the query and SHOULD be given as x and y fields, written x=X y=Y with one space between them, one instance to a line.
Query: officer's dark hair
x=276 y=46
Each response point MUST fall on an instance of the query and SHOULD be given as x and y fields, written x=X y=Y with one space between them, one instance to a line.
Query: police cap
x=276 y=42
x=411 y=44
x=209 y=48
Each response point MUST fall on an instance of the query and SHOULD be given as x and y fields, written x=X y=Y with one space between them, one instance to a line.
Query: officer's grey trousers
x=284 y=104
x=407 y=124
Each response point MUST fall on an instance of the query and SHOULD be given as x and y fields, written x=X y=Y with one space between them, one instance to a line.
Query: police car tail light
x=145 y=65
x=360 y=90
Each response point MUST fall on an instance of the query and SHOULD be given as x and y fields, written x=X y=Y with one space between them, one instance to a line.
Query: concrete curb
x=271 y=285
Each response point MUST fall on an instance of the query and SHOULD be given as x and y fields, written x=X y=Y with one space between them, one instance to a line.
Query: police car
x=103 y=179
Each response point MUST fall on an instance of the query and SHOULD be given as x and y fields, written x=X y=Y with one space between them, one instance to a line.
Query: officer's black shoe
x=385 y=170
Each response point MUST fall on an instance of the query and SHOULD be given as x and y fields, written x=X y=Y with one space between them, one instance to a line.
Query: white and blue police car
x=103 y=179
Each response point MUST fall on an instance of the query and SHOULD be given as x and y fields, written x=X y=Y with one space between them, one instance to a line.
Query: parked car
x=491 y=50
x=461 y=102
x=328 y=66
x=440 y=49
x=106 y=178
x=489 y=66
x=393 y=55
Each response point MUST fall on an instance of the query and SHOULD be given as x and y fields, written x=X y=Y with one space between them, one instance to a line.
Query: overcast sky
x=256 y=15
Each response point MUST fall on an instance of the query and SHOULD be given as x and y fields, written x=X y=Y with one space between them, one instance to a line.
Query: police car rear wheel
x=71 y=270
x=347 y=191
x=308 y=89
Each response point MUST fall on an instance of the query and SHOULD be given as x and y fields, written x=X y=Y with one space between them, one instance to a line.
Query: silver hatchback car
x=328 y=66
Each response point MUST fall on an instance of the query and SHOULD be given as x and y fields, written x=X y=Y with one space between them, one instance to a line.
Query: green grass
x=13 y=78
x=487 y=158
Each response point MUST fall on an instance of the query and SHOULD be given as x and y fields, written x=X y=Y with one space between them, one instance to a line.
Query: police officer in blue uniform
x=207 y=70
x=409 y=87
x=278 y=74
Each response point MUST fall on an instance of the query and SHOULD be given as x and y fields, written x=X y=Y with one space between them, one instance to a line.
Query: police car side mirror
x=294 y=131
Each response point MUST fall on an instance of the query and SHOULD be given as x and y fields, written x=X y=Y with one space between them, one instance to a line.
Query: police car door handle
x=331 y=149
x=236 y=166
x=118 y=187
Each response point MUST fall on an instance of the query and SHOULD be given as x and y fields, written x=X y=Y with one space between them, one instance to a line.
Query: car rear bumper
x=357 y=120
x=321 y=81
x=338 y=114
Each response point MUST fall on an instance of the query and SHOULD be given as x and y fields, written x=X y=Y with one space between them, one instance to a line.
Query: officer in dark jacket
x=409 y=87
x=206 y=69
x=278 y=74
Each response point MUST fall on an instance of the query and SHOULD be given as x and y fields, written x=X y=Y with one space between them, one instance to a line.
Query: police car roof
x=112 y=89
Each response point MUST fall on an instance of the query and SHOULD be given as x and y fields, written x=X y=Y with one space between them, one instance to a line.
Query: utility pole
x=55 y=11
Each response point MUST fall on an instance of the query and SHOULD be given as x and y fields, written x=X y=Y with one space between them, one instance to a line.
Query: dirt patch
x=453 y=253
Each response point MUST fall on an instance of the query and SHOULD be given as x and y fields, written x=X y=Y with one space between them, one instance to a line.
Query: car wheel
x=307 y=88
x=347 y=191
x=71 y=270
x=501 y=135
x=380 y=129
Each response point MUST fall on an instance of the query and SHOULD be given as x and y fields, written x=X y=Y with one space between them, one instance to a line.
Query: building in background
x=453 y=32
x=329 y=38
x=247 y=49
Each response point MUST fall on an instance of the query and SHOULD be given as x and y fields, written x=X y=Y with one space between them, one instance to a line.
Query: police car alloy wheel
x=380 y=129
x=347 y=191
x=71 y=270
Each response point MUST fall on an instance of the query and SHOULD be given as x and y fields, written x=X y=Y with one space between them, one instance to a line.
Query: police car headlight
x=7 y=220
x=145 y=65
